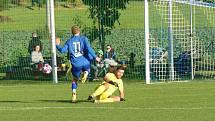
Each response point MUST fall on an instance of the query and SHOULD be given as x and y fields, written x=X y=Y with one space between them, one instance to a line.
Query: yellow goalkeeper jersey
x=112 y=77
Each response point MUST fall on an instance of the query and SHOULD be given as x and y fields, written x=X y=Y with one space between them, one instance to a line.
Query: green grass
x=27 y=19
x=133 y=17
x=192 y=101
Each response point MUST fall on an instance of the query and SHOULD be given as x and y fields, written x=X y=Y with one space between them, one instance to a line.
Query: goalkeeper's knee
x=103 y=96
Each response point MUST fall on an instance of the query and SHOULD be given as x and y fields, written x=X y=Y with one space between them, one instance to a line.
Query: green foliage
x=43 y=32
x=14 y=45
x=105 y=12
x=90 y=32
x=124 y=41
x=209 y=1
x=4 y=4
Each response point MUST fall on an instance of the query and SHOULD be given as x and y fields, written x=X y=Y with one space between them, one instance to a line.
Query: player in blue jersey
x=77 y=46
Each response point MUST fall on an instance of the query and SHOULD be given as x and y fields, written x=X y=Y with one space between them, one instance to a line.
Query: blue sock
x=74 y=87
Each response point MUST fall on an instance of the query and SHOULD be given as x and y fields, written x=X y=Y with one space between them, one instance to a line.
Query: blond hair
x=75 y=29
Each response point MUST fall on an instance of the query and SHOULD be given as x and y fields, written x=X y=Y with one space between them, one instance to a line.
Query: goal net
x=181 y=40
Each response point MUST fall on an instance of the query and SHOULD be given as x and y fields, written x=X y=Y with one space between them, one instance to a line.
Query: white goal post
x=177 y=45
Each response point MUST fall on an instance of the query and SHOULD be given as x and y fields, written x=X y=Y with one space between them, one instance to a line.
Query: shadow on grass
x=9 y=101
x=29 y=7
x=16 y=101
x=39 y=101
x=63 y=101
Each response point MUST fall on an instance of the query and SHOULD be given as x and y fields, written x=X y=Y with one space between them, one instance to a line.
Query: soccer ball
x=47 y=69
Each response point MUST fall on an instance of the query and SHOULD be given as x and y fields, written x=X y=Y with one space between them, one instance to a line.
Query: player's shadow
x=16 y=101
x=9 y=101
x=63 y=101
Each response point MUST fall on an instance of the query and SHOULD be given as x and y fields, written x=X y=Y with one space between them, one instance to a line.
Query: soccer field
x=190 y=101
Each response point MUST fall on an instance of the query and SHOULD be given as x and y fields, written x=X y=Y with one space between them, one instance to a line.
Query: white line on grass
x=109 y=108
x=43 y=84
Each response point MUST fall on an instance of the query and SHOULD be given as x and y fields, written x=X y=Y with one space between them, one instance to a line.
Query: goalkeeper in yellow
x=112 y=82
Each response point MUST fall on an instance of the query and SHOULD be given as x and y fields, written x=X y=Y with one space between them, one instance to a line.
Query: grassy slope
x=161 y=102
x=27 y=19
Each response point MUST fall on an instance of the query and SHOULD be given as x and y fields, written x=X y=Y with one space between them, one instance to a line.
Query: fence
x=19 y=19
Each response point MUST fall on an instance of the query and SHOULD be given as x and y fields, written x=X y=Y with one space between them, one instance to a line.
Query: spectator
x=158 y=54
x=158 y=60
x=110 y=53
x=110 y=57
x=183 y=64
x=132 y=59
x=37 y=58
x=95 y=66
x=34 y=42
x=185 y=56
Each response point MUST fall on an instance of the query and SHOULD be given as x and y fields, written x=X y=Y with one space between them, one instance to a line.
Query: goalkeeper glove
x=122 y=99
x=113 y=83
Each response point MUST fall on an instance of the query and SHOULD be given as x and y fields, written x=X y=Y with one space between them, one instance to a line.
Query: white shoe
x=96 y=101
x=84 y=77
x=74 y=100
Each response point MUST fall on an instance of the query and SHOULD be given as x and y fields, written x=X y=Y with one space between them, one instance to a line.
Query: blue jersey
x=156 y=53
x=78 y=47
x=110 y=55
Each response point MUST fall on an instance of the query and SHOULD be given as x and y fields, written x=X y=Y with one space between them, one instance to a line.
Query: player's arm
x=106 y=77
x=121 y=92
x=122 y=95
x=108 y=80
x=90 y=50
x=61 y=49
